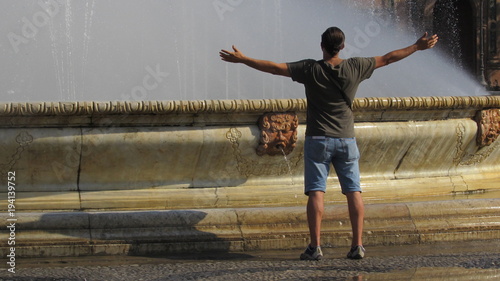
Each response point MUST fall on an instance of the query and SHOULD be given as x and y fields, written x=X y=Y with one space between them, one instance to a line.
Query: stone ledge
x=167 y=232
x=91 y=108
x=476 y=186
x=219 y=112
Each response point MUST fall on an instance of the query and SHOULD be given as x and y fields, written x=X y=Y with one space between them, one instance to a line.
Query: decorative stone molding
x=228 y=112
x=278 y=133
x=234 y=106
x=425 y=103
x=23 y=139
x=149 y=107
x=488 y=122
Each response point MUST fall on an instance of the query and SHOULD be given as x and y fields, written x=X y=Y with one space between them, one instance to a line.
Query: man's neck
x=335 y=60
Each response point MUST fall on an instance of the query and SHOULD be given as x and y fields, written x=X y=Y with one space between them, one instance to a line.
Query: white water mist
x=168 y=50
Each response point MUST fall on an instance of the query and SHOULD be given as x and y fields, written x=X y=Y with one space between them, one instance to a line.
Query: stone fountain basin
x=107 y=166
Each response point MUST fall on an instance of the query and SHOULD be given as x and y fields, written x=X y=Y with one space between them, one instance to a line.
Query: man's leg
x=356 y=215
x=316 y=168
x=315 y=208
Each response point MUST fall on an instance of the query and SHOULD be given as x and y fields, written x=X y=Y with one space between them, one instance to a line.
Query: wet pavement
x=477 y=260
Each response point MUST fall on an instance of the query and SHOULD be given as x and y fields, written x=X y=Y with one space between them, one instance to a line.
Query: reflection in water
x=435 y=273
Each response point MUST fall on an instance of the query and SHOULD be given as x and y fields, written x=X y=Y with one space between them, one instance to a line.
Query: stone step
x=473 y=186
x=45 y=234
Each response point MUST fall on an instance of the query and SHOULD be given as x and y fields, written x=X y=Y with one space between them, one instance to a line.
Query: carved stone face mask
x=278 y=133
x=488 y=126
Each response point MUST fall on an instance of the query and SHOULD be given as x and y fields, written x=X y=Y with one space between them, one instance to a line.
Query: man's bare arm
x=423 y=43
x=262 y=65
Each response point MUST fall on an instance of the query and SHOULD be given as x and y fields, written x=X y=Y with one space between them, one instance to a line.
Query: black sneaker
x=356 y=253
x=313 y=253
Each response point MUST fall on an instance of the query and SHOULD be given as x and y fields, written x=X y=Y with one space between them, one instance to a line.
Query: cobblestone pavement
x=479 y=260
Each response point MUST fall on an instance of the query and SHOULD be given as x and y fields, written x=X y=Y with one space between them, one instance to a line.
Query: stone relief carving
x=24 y=139
x=248 y=167
x=278 y=133
x=466 y=158
x=488 y=122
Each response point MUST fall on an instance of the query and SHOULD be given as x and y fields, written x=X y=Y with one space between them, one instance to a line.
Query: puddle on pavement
x=434 y=273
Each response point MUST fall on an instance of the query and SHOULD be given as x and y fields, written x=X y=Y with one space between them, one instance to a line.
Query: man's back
x=330 y=91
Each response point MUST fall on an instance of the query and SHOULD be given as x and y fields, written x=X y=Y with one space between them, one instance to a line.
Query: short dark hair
x=332 y=40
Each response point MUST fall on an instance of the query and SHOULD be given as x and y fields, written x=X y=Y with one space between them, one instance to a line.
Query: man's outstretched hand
x=426 y=42
x=261 y=65
x=236 y=56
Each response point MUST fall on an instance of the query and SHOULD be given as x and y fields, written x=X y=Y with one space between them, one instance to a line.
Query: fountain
x=146 y=174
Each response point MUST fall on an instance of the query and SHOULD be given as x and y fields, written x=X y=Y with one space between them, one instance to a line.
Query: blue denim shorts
x=320 y=152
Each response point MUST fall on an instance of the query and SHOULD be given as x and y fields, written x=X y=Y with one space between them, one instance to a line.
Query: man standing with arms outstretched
x=330 y=86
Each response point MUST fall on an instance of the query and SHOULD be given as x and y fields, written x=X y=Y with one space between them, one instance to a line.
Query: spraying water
x=89 y=15
x=168 y=50
x=289 y=165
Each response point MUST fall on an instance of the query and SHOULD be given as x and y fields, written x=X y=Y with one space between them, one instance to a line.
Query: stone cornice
x=426 y=103
x=149 y=107
x=236 y=106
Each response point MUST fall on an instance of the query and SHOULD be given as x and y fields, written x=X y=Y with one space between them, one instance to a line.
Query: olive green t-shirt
x=328 y=113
